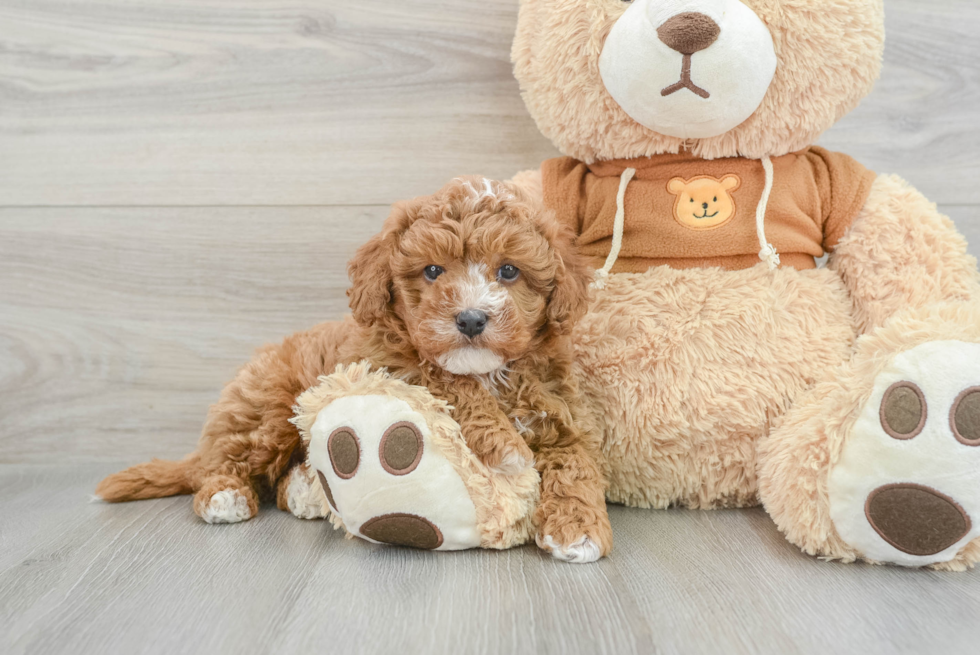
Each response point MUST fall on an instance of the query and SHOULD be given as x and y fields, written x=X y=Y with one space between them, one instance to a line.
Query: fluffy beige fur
x=702 y=359
x=504 y=503
x=901 y=252
x=829 y=55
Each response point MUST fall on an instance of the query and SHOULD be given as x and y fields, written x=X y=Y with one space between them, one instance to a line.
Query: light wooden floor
x=183 y=180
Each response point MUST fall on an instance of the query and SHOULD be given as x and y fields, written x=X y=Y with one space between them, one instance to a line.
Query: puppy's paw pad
x=227 y=506
x=581 y=551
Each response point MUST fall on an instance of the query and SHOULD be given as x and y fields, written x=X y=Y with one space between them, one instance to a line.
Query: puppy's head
x=474 y=276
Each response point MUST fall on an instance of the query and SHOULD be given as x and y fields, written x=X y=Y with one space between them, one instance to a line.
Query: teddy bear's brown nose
x=689 y=32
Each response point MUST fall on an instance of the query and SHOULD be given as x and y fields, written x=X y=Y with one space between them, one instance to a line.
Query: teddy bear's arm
x=530 y=181
x=901 y=253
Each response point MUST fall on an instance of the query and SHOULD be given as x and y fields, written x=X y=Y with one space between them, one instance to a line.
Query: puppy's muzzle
x=471 y=322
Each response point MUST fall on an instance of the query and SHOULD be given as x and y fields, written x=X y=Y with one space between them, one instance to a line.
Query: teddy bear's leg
x=226 y=498
x=299 y=492
x=881 y=461
x=392 y=467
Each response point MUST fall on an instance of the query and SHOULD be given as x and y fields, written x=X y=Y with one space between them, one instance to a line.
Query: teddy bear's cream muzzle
x=691 y=69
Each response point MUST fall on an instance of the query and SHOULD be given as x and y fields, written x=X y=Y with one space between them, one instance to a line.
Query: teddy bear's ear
x=676 y=185
x=371 y=294
x=731 y=182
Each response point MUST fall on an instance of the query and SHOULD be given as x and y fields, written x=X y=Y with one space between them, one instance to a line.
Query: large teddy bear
x=728 y=369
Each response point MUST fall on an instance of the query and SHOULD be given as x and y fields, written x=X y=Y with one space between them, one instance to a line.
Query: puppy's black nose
x=704 y=205
x=471 y=322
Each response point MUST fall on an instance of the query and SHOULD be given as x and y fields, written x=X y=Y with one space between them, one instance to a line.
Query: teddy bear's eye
x=692 y=199
x=431 y=272
x=715 y=199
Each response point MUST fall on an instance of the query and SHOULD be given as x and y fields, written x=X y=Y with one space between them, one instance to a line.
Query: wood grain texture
x=184 y=180
x=224 y=102
x=165 y=102
x=150 y=577
x=118 y=327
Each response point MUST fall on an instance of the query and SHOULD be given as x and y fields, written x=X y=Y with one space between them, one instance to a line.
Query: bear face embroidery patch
x=704 y=202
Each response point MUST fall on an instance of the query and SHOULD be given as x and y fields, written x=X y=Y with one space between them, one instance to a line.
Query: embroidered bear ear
x=676 y=185
x=731 y=182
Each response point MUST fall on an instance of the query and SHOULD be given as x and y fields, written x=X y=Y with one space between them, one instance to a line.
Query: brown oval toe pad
x=401 y=448
x=345 y=452
x=903 y=411
x=403 y=530
x=964 y=417
x=916 y=519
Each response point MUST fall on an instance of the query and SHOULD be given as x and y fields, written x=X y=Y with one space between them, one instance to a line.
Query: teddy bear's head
x=610 y=79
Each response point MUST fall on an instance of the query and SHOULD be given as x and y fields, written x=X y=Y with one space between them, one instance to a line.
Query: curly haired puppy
x=470 y=292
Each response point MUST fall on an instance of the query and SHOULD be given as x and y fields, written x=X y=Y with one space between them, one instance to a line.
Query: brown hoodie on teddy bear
x=688 y=212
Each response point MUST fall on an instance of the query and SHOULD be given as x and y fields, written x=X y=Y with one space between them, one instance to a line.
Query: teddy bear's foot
x=392 y=467
x=382 y=474
x=906 y=489
x=881 y=460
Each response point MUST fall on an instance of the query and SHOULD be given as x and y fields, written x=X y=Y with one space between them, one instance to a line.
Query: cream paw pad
x=394 y=468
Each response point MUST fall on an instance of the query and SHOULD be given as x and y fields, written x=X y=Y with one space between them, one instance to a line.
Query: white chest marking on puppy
x=526 y=425
x=470 y=361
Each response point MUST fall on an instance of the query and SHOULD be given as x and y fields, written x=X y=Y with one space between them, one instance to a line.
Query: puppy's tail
x=154 y=479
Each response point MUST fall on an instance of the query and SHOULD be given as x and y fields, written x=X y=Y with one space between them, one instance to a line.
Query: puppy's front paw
x=582 y=551
x=577 y=537
x=301 y=494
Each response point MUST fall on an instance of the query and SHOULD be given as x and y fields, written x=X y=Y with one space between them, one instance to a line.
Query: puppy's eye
x=508 y=272
x=715 y=199
x=431 y=272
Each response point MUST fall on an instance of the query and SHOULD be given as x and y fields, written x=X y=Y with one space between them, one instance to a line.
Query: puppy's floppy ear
x=370 y=272
x=570 y=296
